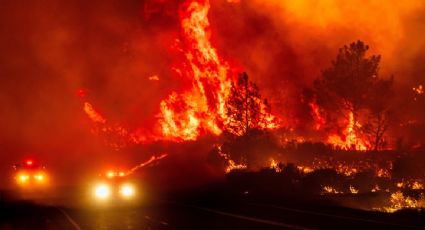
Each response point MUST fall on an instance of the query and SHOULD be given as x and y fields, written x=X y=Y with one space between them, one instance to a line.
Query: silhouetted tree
x=244 y=107
x=352 y=84
x=246 y=141
x=346 y=84
x=379 y=113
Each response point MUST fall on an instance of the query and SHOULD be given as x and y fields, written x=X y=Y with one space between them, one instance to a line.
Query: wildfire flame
x=231 y=164
x=305 y=169
x=330 y=189
x=275 y=166
x=146 y=163
x=399 y=201
x=350 y=139
x=353 y=190
x=376 y=188
x=202 y=108
x=95 y=116
x=317 y=116
x=154 y=78
x=419 y=89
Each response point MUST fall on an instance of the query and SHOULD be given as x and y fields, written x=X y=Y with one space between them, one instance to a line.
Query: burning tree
x=351 y=85
x=247 y=140
x=245 y=109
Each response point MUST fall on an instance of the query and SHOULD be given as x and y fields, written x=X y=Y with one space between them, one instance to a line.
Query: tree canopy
x=347 y=84
x=244 y=108
x=352 y=85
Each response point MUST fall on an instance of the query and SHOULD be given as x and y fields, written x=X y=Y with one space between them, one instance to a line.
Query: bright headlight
x=23 y=178
x=102 y=191
x=127 y=190
x=39 y=177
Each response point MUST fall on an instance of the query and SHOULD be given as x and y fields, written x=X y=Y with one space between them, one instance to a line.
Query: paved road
x=210 y=211
x=197 y=215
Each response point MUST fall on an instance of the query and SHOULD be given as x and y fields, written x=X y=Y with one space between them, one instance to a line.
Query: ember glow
x=154 y=78
x=230 y=164
x=93 y=114
x=275 y=166
x=330 y=190
x=418 y=90
x=399 y=201
x=146 y=163
x=317 y=116
x=349 y=138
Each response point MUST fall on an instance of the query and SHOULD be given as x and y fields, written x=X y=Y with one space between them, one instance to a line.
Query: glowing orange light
x=317 y=116
x=231 y=164
x=93 y=114
x=419 y=89
x=23 y=178
x=110 y=174
x=29 y=162
x=151 y=160
x=275 y=166
x=39 y=177
x=350 y=139
x=154 y=78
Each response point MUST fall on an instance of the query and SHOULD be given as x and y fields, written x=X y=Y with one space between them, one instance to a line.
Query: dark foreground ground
x=205 y=209
x=194 y=210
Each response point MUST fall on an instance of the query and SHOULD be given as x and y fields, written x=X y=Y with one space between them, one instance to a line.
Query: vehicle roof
x=28 y=165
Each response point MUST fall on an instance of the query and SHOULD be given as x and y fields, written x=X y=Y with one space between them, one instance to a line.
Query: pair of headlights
x=24 y=178
x=104 y=191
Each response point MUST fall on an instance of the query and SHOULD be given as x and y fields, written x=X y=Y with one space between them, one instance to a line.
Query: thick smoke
x=53 y=48
x=284 y=46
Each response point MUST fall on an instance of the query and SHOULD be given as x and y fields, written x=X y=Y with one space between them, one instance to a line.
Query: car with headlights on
x=30 y=175
x=115 y=187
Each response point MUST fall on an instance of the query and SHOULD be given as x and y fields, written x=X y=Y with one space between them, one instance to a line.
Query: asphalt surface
x=197 y=214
